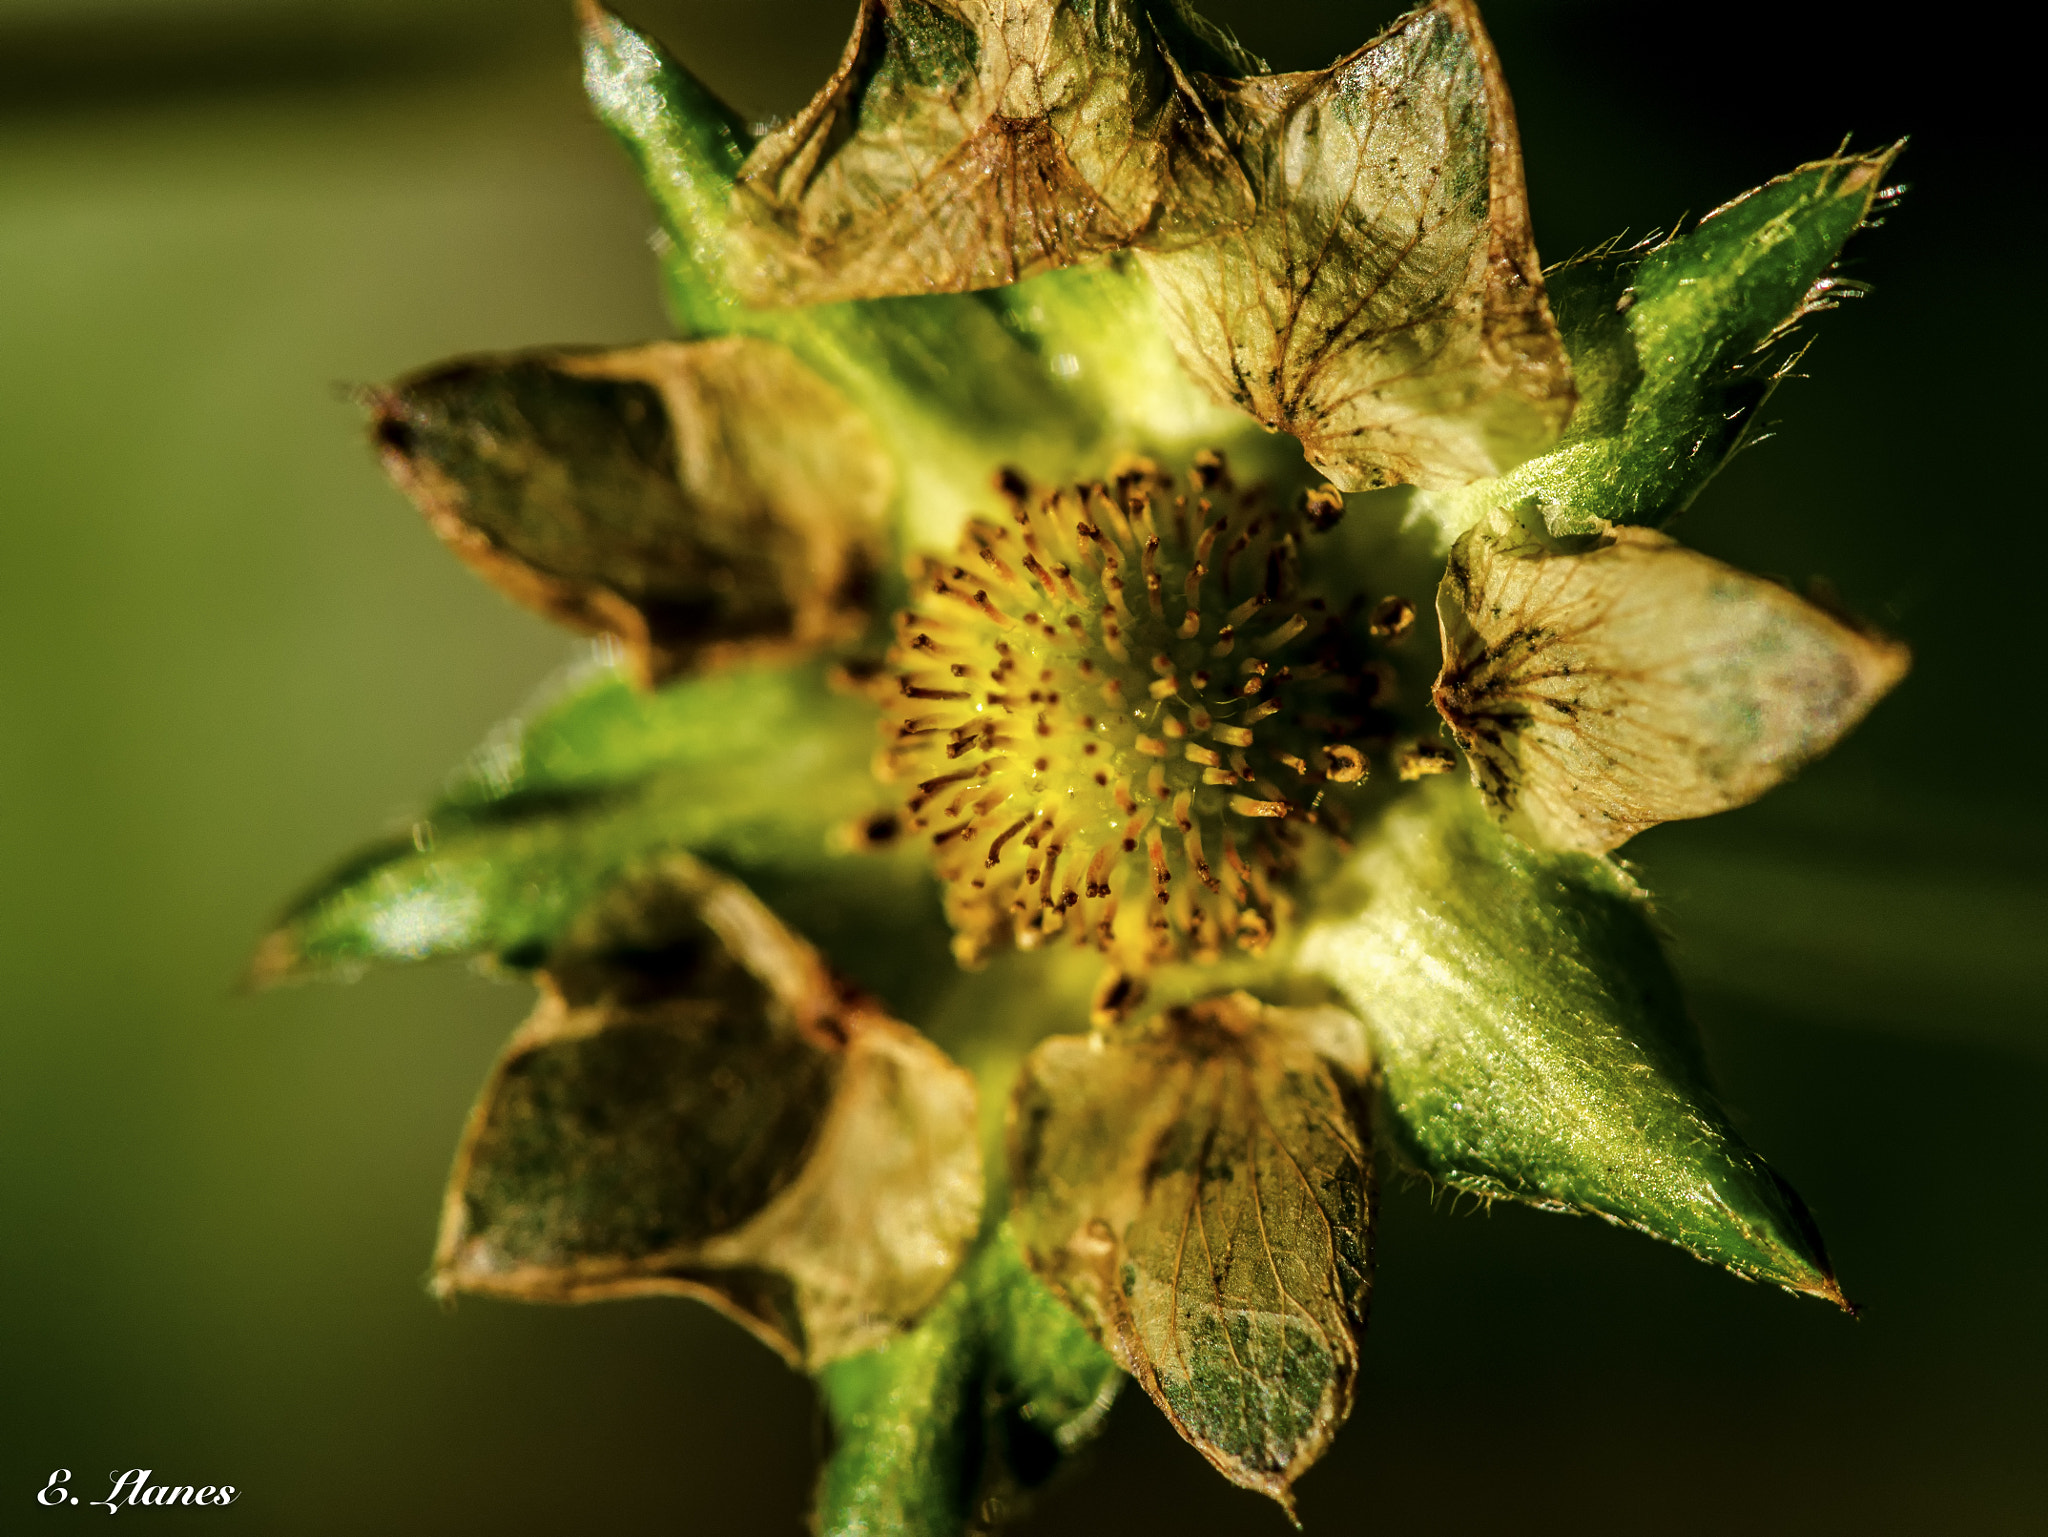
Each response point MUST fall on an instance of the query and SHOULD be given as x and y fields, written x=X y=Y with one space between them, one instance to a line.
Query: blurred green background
x=231 y=653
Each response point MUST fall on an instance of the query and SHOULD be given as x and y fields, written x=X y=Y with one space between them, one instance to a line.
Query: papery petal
x=1601 y=690
x=696 y=1108
x=699 y=501
x=964 y=144
x=1201 y=1194
x=1384 y=304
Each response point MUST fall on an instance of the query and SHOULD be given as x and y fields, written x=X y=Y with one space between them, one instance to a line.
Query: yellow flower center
x=1114 y=719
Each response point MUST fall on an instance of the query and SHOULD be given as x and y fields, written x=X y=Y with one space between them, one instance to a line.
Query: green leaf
x=1676 y=346
x=1201 y=1194
x=1384 y=303
x=688 y=146
x=1623 y=681
x=758 y=770
x=696 y=1108
x=960 y=1421
x=1534 y=1044
x=698 y=501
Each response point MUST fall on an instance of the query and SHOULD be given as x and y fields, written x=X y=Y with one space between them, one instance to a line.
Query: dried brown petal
x=695 y=1110
x=1385 y=304
x=1603 y=690
x=964 y=144
x=1201 y=1195
x=700 y=501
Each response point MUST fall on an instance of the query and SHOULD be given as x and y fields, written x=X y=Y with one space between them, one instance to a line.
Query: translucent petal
x=1201 y=1194
x=699 y=501
x=695 y=1108
x=965 y=144
x=1384 y=304
x=1604 y=688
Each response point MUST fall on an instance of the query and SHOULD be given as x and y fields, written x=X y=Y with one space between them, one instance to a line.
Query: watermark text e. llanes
x=134 y=1488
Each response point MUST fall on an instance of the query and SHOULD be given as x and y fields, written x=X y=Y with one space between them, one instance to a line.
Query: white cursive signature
x=134 y=1488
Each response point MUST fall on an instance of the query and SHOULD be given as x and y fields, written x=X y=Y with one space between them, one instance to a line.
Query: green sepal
x=1675 y=347
x=687 y=144
x=1533 y=1043
x=754 y=770
x=957 y=1422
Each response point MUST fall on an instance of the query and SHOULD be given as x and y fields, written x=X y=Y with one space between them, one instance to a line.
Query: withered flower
x=1010 y=581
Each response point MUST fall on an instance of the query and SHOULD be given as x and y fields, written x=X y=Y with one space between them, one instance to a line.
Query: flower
x=1013 y=734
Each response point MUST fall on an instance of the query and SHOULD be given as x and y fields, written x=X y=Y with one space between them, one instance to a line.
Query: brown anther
x=1392 y=618
x=995 y=849
x=1117 y=996
x=1324 y=508
x=915 y=691
x=877 y=830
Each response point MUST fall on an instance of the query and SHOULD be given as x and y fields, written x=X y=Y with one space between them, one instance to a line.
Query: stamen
x=1037 y=703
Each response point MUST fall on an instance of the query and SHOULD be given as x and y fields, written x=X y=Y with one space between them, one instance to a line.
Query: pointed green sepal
x=954 y=1425
x=1534 y=1044
x=760 y=771
x=1675 y=347
x=688 y=146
